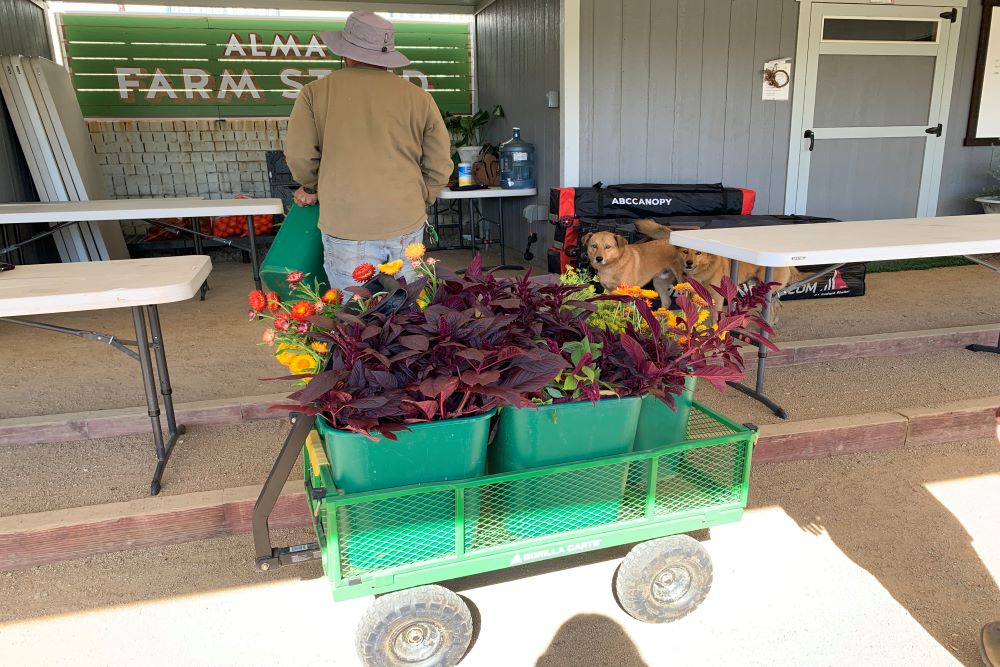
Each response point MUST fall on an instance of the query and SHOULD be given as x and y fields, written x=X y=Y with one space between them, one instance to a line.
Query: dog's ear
x=585 y=239
x=621 y=241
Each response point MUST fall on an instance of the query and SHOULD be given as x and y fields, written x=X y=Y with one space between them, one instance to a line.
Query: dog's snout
x=689 y=264
x=599 y=259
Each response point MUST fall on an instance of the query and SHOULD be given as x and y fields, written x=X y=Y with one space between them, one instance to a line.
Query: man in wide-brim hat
x=370 y=147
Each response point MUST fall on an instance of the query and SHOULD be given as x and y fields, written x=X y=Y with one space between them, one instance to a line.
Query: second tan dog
x=709 y=269
x=618 y=262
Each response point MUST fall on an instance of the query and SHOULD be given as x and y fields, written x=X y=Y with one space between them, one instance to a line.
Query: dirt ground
x=887 y=558
x=35 y=478
x=214 y=352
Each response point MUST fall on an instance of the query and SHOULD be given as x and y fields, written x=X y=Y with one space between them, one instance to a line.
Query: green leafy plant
x=583 y=380
x=467 y=130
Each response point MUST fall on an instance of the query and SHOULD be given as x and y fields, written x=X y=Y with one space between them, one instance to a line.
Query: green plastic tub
x=660 y=426
x=553 y=434
x=377 y=534
x=298 y=246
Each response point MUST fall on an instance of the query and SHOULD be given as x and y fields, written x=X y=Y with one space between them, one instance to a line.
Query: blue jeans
x=341 y=256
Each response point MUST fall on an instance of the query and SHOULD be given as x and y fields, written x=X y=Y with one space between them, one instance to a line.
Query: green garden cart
x=398 y=544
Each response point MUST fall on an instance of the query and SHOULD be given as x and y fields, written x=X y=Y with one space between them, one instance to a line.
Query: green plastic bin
x=298 y=246
x=379 y=535
x=553 y=434
x=660 y=426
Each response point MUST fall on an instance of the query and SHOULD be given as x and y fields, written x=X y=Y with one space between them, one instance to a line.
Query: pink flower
x=281 y=322
x=319 y=306
x=269 y=335
x=431 y=261
x=415 y=264
x=252 y=315
x=303 y=328
x=294 y=278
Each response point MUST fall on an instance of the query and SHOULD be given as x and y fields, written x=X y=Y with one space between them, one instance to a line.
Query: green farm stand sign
x=154 y=67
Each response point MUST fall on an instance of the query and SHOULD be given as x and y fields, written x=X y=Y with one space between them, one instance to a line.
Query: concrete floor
x=881 y=559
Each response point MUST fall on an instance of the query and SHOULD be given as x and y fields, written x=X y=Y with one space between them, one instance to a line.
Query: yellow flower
x=415 y=251
x=683 y=288
x=702 y=316
x=320 y=347
x=302 y=363
x=391 y=268
x=668 y=316
x=648 y=294
x=286 y=353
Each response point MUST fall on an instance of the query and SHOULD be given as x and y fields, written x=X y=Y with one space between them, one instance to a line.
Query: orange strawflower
x=302 y=311
x=273 y=302
x=258 y=301
x=363 y=273
x=333 y=297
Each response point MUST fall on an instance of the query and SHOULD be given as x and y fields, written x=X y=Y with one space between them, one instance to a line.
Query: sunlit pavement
x=782 y=595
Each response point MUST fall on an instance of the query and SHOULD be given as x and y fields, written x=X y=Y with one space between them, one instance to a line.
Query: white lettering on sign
x=160 y=85
x=196 y=82
x=641 y=201
x=286 y=48
x=233 y=46
x=315 y=48
x=125 y=83
x=230 y=86
x=411 y=74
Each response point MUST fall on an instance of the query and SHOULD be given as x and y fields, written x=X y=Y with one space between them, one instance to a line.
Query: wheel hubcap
x=671 y=584
x=418 y=641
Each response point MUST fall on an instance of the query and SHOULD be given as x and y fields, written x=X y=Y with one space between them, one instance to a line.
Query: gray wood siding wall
x=965 y=171
x=517 y=62
x=670 y=93
x=23 y=31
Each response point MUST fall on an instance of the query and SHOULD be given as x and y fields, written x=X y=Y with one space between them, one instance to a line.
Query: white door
x=869 y=138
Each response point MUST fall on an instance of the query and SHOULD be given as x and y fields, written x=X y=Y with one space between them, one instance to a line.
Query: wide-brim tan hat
x=367 y=38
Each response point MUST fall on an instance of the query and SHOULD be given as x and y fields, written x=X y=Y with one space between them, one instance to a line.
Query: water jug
x=517 y=163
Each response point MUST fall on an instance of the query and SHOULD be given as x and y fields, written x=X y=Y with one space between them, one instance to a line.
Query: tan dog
x=709 y=269
x=617 y=262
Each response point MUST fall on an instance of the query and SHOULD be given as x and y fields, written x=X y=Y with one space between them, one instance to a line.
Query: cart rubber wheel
x=427 y=626
x=665 y=579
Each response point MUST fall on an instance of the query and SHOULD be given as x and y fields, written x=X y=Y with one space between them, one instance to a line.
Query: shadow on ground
x=878 y=511
x=594 y=640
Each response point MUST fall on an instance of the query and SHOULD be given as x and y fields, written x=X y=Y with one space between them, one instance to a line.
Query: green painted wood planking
x=96 y=45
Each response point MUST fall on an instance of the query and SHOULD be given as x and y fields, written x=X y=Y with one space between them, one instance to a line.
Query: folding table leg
x=173 y=430
x=757 y=393
x=253 y=251
x=152 y=403
x=199 y=250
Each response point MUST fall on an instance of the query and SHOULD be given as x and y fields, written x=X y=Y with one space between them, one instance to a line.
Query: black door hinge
x=951 y=16
x=936 y=130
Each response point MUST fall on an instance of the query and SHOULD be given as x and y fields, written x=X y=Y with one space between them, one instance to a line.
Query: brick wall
x=186 y=158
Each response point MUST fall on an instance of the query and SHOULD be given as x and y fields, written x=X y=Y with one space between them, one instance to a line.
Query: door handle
x=936 y=130
x=811 y=136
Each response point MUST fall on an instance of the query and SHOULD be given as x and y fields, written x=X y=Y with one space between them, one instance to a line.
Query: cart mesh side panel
x=386 y=533
x=550 y=504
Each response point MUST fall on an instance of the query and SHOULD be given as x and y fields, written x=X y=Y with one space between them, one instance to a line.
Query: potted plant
x=466 y=132
x=407 y=394
x=990 y=198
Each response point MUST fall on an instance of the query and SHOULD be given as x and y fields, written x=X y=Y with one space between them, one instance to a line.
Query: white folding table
x=154 y=210
x=481 y=193
x=139 y=284
x=838 y=243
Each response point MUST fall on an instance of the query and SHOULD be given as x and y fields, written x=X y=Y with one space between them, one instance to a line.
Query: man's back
x=376 y=148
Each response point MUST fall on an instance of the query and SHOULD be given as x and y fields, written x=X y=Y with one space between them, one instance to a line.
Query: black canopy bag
x=631 y=201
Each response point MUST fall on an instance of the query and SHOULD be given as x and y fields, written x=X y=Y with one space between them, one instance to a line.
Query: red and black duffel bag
x=639 y=200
